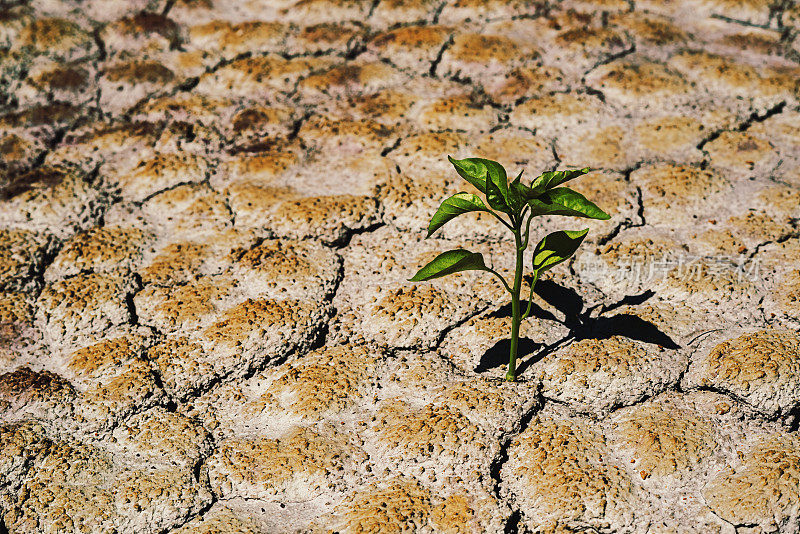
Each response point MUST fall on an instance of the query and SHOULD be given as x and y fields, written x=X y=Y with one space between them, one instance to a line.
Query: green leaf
x=452 y=261
x=470 y=170
x=551 y=179
x=454 y=206
x=495 y=197
x=477 y=170
x=516 y=194
x=565 y=201
x=556 y=247
x=522 y=190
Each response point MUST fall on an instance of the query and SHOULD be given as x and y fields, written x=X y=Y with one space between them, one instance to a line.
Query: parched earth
x=209 y=210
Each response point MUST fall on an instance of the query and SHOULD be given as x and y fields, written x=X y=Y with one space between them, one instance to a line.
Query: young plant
x=514 y=205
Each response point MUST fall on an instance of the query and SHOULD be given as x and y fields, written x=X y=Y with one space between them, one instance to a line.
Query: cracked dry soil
x=208 y=211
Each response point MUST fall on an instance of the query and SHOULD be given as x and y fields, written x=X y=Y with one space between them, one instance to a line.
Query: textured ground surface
x=208 y=211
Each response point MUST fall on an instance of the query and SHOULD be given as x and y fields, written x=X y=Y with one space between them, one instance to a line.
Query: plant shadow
x=582 y=323
x=497 y=356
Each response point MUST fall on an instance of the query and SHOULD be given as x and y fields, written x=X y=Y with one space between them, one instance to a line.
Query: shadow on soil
x=581 y=324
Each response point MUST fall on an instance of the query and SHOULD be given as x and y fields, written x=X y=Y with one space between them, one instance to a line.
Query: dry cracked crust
x=209 y=211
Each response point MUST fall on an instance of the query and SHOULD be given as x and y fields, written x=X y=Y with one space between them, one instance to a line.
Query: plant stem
x=527 y=232
x=515 y=308
x=500 y=276
x=530 y=297
x=496 y=216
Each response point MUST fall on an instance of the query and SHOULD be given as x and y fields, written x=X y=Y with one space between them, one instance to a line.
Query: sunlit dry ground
x=208 y=211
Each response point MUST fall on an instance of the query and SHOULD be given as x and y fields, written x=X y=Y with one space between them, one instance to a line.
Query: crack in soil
x=627 y=223
x=754 y=117
x=440 y=55
x=200 y=513
x=609 y=59
x=495 y=470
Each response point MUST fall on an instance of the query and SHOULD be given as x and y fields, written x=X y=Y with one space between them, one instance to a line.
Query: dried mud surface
x=209 y=210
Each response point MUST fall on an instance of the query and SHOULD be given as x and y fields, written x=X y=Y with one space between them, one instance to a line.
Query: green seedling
x=514 y=205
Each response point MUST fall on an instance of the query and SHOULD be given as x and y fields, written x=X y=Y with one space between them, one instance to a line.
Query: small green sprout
x=514 y=205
